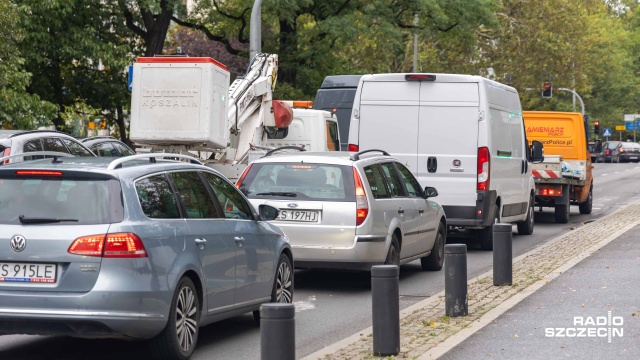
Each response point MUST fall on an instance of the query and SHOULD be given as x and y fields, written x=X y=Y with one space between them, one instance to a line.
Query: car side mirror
x=537 y=152
x=430 y=191
x=268 y=212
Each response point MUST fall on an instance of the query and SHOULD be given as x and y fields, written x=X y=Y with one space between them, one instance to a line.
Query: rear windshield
x=299 y=181
x=630 y=145
x=52 y=200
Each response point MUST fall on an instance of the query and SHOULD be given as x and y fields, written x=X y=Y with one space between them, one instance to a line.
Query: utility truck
x=185 y=104
x=564 y=176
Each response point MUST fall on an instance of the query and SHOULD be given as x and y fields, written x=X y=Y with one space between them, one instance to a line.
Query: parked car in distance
x=107 y=146
x=626 y=152
x=607 y=150
x=132 y=248
x=15 y=142
x=349 y=210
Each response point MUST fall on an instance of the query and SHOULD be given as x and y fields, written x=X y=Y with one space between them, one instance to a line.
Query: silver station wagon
x=132 y=248
x=349 y=210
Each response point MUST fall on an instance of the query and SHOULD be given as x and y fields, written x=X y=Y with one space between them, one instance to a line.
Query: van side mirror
x=430 y=191
x=537 y=152
x=268 y=212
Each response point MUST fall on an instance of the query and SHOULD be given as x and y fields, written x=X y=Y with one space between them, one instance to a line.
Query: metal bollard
x=502 y=254
x=455 y=282
x=277 y=331
x=385 y=304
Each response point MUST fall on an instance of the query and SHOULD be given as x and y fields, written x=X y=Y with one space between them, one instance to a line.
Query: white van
x=462 y=134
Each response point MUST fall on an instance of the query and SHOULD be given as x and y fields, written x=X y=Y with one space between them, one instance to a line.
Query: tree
x=77 y=54
x=18 y=108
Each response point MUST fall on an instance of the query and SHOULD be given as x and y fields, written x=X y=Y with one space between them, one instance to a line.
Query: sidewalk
x=426 y=333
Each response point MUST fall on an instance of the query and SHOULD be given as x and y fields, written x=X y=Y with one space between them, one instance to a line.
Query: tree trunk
x=287 y=66
x=122 y=127
x=157 y=33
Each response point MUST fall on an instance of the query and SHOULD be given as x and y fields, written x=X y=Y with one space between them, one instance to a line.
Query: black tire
x=562 y=213
x=179 y=337
x=393 y=255
x=526 y=227
x=486 y=235
x=435 y=260
x=282 y=290
x=587 y=206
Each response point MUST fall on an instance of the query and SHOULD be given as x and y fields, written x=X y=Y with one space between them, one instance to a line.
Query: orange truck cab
x=564 y=177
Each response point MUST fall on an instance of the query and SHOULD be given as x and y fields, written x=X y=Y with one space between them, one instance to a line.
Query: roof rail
x=152 y=159
x=22 y=132
x=55 y=155
x=97 y=137
x=271 y=152
x=356 y=156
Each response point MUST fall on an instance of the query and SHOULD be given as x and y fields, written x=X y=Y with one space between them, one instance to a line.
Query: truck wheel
x=562 y=213
x=585 y=207
x=435 y=259
x=526 y=227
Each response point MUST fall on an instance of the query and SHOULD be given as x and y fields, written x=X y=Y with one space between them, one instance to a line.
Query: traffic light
x=547 y=90
x=596 y=126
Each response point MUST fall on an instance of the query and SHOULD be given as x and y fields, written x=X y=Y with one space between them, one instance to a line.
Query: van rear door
x=448 y=142
x=389 y=118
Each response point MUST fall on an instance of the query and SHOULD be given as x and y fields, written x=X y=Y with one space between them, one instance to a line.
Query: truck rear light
x=6 y=152
x=117 y=245
x=550 y=191
x=241 y=179
x=484 y=168
x=420 y=77
x=362 y=205
x=353 y=148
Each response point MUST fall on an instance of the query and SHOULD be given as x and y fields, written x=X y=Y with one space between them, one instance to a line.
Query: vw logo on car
x=18 y=243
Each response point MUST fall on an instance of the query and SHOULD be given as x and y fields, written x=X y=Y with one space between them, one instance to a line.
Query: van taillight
x=117 y=245
x=244 y=173
x=362 y=205
x=483 y=168
x=353 y=148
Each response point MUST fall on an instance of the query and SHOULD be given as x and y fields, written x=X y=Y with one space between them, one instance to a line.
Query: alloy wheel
x=284 y=283
x=186 y=322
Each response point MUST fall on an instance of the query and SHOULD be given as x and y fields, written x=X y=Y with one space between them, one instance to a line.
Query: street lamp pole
x=415 y=44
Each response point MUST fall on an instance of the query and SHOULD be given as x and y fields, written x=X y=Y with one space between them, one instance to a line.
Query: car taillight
x=608 y=152
x=244 y=173
x=117 y=245
x=621 y=150
x=483 y=168
x=362 y=205
x=353 y=148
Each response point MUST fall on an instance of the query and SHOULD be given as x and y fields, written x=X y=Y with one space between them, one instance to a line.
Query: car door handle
x=200 y=241
x=420 y=211
x=400 y=211
x=238 y=239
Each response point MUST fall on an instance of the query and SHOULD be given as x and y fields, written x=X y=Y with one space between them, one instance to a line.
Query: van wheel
x=586 y=207
x=393 y=256
x=526 y=227
x=179 y=337
x=562 y=213
x=435 y=259
x=486 y=235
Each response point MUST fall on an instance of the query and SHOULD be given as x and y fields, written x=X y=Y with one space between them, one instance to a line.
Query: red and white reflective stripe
x=545 y=174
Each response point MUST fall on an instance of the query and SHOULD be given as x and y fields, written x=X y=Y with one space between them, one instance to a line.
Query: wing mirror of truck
x=537 y=152
x=430 y=191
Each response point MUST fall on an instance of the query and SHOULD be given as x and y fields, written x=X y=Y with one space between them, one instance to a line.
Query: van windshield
x=299 y=181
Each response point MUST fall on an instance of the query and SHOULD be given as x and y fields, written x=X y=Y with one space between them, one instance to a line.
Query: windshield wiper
x=26 y=220
x=274 y=193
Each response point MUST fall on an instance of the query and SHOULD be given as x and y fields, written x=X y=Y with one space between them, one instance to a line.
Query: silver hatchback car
x=349 y=210
x=132 y=248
